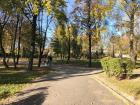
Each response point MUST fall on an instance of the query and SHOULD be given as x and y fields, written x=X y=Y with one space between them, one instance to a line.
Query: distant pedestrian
x=49 y=63
x=44 y=60
x=97 y=55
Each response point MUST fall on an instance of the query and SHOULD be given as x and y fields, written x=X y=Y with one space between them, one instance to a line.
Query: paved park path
x=67 y=85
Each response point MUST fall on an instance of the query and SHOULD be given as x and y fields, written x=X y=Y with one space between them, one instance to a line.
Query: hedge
x=120 y=68
x=105 y=65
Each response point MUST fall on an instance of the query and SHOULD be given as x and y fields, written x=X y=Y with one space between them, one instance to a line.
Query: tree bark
x=14 y=43
x=90 y=53
x=132 y=40
x=31 y=57
x=42 y=47
x=89 y=31
x=2 y=49
x=40 y=56
x=113 y=50
x=19 y=39
x=69 y=45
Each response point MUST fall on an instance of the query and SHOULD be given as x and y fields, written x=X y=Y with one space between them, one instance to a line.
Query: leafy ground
x=12 y=81
x=129 y=86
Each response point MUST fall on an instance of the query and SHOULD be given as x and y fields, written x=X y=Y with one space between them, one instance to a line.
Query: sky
x=70 y=5
x=110 y=22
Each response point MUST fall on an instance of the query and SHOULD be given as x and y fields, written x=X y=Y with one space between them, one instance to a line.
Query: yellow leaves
x=27 y=1
x=53 y=5
x=98 y=7
x=96 y=36
x=99 y=11
x=78 y=39
x=36 y=7
x=103 y=29
x=60 y=32
x=48 y=6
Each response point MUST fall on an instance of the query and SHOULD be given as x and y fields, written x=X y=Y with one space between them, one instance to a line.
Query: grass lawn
x=95 y=62
x=129 y=86
x=12 y=81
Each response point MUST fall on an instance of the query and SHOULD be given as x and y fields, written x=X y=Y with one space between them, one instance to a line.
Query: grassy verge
x=129 y=86
x=138 y=64
x=12 y=81
x=95 y=62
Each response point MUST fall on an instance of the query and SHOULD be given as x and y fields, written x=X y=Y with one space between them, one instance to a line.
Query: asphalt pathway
x=67 y=85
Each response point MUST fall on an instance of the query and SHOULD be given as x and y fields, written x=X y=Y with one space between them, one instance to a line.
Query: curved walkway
x=67 y=85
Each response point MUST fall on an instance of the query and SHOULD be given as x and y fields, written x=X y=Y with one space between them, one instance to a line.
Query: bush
x=115 y=67
x=128 y=66
x=105 y=65
x=120 y=68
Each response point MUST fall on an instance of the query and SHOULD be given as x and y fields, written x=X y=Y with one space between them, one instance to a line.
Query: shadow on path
x=40 y=89
x=37 y=95
x=36 y=99
x=33 y=96
x=64 y=72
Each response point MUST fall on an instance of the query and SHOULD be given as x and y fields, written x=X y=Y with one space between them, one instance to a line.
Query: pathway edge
x=117 y=93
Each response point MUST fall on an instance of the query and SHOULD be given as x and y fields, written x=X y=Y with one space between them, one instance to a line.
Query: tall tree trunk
x=2 y=49
x=90 y=53
x=40 y=56
x=31 y=57
x=89 y=31
x=19 y=39
x=42 y=44
x=69 y=46
x=14 y=43
x=42 y=48
x=132 y=40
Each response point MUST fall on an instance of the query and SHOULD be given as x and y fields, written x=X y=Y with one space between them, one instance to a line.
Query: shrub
x=115 y=67
x=128 y=66
x=105 y=65
x=120 y=68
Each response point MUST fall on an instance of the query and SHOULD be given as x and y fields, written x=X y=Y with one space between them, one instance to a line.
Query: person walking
x=49 y=63
x=44 y=60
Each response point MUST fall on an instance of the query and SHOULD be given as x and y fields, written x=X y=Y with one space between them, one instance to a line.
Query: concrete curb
x=128 y=100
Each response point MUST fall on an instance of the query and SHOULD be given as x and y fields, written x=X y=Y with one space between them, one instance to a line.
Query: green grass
x=129 y=86
x=12 y=81
x=95 y=62
x=138 y=64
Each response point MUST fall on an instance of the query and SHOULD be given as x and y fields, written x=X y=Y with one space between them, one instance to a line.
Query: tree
x=43 y=41
x=75 y=41
x=19 y=38
x=89 y=14
x=114 y=41
x=131 y=9
x=14 y=41
x=3 y=22
x=60 y=40
x=69 y=42
x=52 y=7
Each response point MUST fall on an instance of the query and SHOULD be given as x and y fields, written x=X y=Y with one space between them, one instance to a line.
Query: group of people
x=47 y=61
